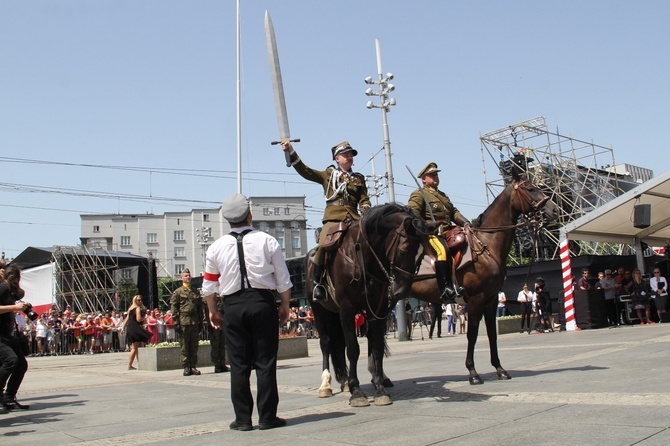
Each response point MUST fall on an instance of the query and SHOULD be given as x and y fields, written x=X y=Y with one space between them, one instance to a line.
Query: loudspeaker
x=641 y=216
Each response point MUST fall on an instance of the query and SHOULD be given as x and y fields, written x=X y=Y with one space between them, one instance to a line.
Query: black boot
x=447 y=292
x=319 y=292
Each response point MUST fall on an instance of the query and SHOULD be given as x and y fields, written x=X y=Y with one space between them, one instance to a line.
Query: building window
x=263 y=226
x=295 y=242
x=205 y=217
x=96 y=228
x=125 y=240
x=180 y=251
x=178 y=235
x=287 y=211
x=152 y=237
x=280 y=240
x=279 y=226
x=127 y=273
x=266 y=211
x=276 y=211
x=178 y=268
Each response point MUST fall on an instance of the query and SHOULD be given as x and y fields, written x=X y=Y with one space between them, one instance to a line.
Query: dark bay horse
x=374 y=267
x=482 y=279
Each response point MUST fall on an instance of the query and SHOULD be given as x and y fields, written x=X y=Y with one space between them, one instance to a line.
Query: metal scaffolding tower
x=579 y=176
x=86 y=279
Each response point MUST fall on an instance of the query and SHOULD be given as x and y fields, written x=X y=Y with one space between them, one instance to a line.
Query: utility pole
x=385 y=103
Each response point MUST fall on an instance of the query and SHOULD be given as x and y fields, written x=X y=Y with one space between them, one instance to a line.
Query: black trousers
x=13 y=365
x=525 y=315
x=436 y=318
x=251 y=327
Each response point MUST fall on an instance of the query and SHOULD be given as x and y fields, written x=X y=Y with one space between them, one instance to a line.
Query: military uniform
x=217 y=340
x=345 y=192
x=430 y=200
x=188 y=310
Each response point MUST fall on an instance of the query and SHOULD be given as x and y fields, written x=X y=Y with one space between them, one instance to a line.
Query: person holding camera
x=13 y=364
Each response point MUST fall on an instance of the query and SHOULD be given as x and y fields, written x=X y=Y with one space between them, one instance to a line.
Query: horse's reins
x=390 y=273
x=534 y=208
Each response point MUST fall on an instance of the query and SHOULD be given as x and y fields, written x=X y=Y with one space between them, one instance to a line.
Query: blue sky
x=134 y=101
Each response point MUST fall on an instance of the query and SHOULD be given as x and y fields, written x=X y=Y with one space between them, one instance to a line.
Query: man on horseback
x=431 y=203
x=345 y=192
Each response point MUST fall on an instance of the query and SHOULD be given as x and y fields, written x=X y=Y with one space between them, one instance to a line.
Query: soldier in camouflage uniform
x=345 y=192
x=188 y=312
x=444 y=212
x=217 y=340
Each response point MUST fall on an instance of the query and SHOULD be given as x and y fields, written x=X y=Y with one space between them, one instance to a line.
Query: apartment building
x=179 y=240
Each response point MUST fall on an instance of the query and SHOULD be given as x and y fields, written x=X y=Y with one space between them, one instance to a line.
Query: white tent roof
x=613 y=222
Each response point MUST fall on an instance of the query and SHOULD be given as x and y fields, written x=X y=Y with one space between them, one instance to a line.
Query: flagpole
x=239 y=108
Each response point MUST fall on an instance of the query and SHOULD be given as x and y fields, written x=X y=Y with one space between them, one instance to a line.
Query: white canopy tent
x=613 y=221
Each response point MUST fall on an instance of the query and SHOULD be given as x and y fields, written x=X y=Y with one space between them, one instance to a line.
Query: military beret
x=235 y=208
x=342 y=147
x=430 y=168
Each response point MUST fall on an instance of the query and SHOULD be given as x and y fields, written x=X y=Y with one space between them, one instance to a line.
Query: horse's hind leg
x=371 y=367
x=490 y=319
x=377 y=345
x=473 y=328
x=358 y=397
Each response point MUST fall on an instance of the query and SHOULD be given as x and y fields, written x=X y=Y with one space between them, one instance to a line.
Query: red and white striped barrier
x=568 y=298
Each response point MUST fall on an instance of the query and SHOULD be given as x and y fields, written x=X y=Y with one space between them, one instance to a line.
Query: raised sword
x=277 y=86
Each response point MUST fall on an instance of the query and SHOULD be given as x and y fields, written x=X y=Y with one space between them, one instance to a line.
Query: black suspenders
x=240 y=255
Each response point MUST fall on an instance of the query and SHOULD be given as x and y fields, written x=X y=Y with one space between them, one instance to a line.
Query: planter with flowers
x=165 y=356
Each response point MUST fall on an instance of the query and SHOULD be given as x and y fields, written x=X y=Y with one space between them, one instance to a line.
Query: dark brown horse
x=374 y=267
x=483 y=278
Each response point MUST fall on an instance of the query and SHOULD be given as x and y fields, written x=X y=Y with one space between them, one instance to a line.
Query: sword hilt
x=274 y=143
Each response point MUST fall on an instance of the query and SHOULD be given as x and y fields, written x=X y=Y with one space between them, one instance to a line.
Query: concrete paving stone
x=589 y=387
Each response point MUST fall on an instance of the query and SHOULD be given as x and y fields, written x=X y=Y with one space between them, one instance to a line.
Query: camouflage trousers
x=217 y=342
x=190 y=336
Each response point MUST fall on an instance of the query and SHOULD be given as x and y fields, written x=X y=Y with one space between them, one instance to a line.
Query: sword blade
x=277 y=84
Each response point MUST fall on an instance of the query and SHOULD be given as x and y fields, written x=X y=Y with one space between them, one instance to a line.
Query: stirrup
x=319 y=293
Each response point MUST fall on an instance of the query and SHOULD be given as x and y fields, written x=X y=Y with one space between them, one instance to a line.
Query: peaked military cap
x=430 y=168
x=235 y=208
x=342 y=147
x=186 y=271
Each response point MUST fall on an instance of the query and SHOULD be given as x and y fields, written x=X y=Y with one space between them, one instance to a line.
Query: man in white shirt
x=244 y=267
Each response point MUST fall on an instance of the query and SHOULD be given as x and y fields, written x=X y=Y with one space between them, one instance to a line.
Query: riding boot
x=319 y=292
x=443 y=275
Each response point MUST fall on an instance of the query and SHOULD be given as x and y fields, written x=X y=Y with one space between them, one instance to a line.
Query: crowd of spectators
x=65 y=332
x=68 y=333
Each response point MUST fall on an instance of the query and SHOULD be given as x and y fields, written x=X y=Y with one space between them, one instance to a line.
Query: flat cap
x=235 y=208
x=342 y=147
x=430 y=168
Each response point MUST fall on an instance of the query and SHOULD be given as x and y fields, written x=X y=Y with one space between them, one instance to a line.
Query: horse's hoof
x=325 y=393
x=475 y=380
x=345 y=388
x=383 y=400
x=359 y=401
x=387 y=383
x=503 y=375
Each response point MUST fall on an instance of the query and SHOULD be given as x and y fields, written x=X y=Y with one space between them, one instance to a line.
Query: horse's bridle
x=535 y=206
x=390 y=252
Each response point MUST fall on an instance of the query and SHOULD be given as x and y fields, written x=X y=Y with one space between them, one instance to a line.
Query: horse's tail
x=338 y=348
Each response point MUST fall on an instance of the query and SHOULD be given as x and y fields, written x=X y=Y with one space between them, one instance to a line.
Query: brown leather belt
x=342 y=202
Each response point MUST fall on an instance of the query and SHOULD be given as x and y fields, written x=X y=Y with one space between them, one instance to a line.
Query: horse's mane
x=376 y=214
x=477 y=222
